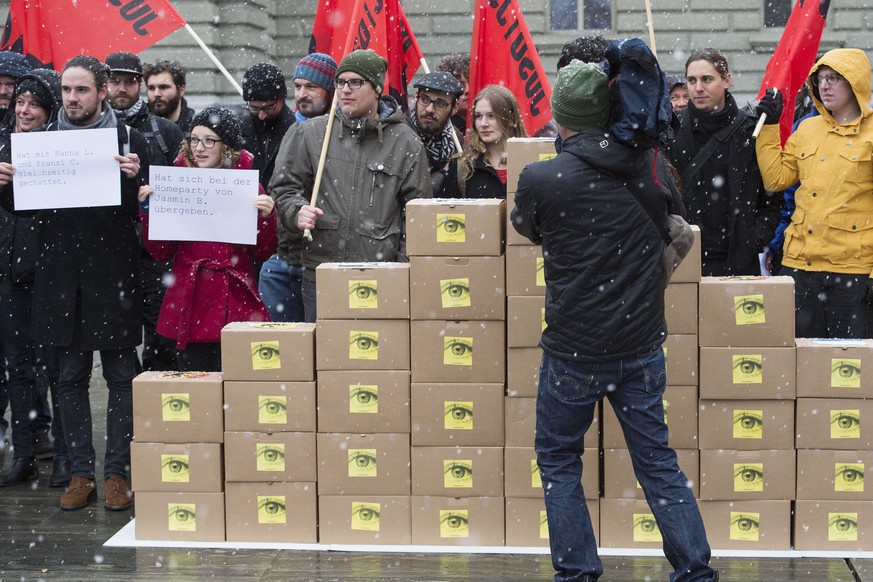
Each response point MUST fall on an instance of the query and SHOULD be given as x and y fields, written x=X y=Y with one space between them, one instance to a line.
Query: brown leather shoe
x=80 y=492
x=117 y=495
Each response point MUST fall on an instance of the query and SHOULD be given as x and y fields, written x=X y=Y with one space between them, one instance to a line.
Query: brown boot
x=80 y=492
x=117 y=495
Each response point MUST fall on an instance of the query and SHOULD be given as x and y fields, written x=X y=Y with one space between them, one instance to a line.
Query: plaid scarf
x=439 y=148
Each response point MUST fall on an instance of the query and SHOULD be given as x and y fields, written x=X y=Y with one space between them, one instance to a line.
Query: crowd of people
x=78 y=280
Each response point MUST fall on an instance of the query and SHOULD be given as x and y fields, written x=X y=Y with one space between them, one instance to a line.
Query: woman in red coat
x=213 y=283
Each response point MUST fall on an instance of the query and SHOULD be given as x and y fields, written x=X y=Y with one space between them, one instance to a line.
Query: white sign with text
x=66 y=169
x=195 y=204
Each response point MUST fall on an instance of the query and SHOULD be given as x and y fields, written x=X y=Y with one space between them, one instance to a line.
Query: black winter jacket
x=165 y=143
x=604 y=280
x=263 y=138
x=484 y=183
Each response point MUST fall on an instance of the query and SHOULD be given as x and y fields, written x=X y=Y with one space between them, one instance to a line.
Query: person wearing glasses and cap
x=268 y=117
x=828 y=247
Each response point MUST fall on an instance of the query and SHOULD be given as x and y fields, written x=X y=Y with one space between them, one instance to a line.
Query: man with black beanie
x=268 y=118
x=12 y=66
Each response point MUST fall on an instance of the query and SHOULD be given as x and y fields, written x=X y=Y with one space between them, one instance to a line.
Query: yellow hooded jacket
x=832 y=228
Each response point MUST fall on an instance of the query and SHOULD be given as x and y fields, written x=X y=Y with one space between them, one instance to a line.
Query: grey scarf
x=131 y=112
x=106 y=119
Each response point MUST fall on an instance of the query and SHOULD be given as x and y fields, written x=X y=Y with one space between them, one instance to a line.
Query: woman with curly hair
x=479 y=171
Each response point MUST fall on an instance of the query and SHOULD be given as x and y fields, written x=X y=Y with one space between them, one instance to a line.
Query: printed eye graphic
x=846 y=370
x=646 y=524
x=363 y=395
x=270 y=454
x=365 y=342
x=459 y=470
x=750 y=306
x=745 y=522
x=850 y=474
x=843 y=523
x=748 y=474
x=453 y=224
x=271 y=505
x=181 y=514
x=748 y=366
x=265 y=352
x=455 y=289
x=176 y=465
x=362 y=460
x=747 y=420
x=460 y=348
x=454 y=520
x=845 y=419
x=363 y=291
x=274 y=406
x=459 y=412
x=175 y=404
x=366 y=513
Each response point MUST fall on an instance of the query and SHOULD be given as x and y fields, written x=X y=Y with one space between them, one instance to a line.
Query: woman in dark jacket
x=479 y=171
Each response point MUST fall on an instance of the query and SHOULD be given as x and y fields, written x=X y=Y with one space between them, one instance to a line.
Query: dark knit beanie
x=317 y=68
x=44 y=85
x=13 y=64
x=580 y=97
x=223 y=122
x=367 y=64
x=264 y=82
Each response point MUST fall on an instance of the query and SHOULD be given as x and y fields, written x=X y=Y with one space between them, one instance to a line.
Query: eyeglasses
x=438 y=104
x=831 y=79
x=207 y=142
x=354 y=84
x=265 y=108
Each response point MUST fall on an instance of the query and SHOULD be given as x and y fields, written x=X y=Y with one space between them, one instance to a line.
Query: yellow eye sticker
x=455 y=292
x=270 y=457
x=544 y=525
x=849 y=477
x=363 y=399
x=536 y=480
x=846 y=424
x=745 y=526
x=458 y=415
x=842 y=527
x=457 y=351
x=272 y=324
x=541 y=272
x=454 y=523
x=665 y=354
x=182 y=516
x=646 y=528
x=363 y=294
x=748 y=369
x=366 y=516
x=175 y=469
x=271 y=509
x=273 y=409
x=749 y=309
x=543 y=322
x=363 y=345
x=458 y=473
x=748 y=424
x=749 y=477
x=845 y=373
x=666 y=406
x=362 y=462
x=451 y=228
x=176 y=407
x=265 y=355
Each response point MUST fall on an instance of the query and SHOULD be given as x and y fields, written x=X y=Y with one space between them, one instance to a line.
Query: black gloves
x=771 y=104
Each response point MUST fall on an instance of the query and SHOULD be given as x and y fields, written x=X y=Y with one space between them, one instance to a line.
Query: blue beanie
x=318 y=68
x=14 y=64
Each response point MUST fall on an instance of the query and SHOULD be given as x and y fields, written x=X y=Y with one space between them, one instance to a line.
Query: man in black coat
x=268 y=118
x=87 y=293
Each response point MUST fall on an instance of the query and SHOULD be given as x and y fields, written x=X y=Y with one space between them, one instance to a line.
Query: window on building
x=596 y=14
x=564 y=15
x=776 y=13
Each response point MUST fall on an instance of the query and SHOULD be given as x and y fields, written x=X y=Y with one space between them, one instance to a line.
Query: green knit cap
x=580 y=98
x=367 y=64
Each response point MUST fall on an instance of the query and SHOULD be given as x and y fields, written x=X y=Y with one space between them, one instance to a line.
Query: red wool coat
x=213 y=283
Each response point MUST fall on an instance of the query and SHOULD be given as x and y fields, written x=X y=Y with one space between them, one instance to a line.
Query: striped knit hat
x=318 y=68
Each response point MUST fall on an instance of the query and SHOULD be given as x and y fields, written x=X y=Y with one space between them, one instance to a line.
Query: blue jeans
x=280 y=289
x=568 y=392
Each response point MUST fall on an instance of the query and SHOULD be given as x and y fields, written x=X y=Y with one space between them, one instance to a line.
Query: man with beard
x=436 y=100
x=165 y=85
x=281 y=280
x=264 y=126
x=12 y=66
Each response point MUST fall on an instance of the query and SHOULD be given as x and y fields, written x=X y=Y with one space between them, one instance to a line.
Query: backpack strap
x=707 y=150
x=156 y=134
x=124 y=138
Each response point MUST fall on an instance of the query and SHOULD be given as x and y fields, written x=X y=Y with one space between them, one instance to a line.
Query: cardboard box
x=620 y=482
x=362 y=290
x=261 y=456
x=746 y=311
x=522 y=474
x=457 y=471
x=363 y=464
x=363 y=344
x=746 y=425
x=523 y=371
x=521 y=151
x=271 y=512
x=457 y=415
x=628 y=523
x=840 y=424
x=363 y=401
x=680 y=308
x=689 y=269
x=525 y=321
x=269 y=406
x=747 y=525
x=680 y=351
x=178 y=407
x=528 y=527
x=833 y=526
x=837 y=475
x=521 y=423
x=443 y=227
x=680 y=413
x=834 y=368
x=525 y=270
x=458 y=351
x=457 y=288
x=728 y=475
x=268 y=351
x=179 y=517
x=457 y=521
x=187 y=468
x=364 y=519
x=747 y=373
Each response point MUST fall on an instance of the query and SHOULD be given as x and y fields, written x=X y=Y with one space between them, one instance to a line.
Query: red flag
x=503 y=53
x=342 y=26
x=794 y=56
x=53 y=31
